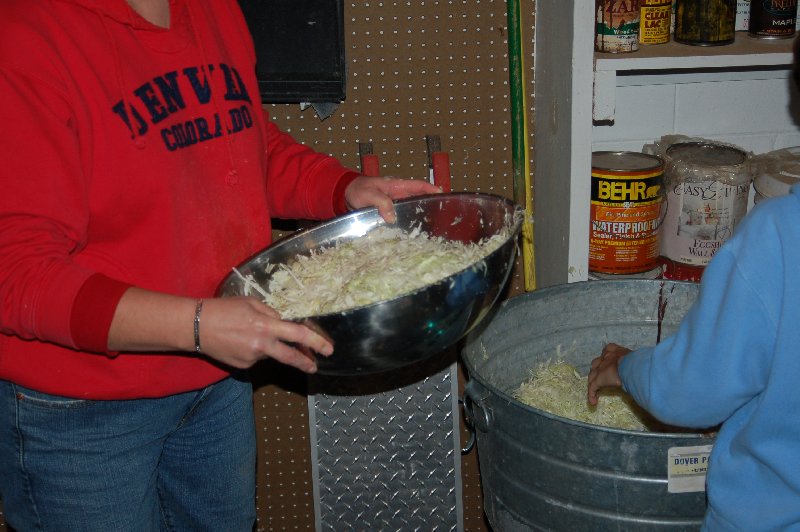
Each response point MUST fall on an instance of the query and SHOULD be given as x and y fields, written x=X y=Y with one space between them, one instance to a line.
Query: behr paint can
x=625 y=212
x=772 y=19
x=616 y=26
x=655 y=20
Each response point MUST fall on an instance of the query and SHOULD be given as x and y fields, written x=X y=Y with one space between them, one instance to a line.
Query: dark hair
x=796 y=61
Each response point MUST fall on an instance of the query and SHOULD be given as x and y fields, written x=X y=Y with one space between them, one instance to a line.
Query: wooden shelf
x=744 y=52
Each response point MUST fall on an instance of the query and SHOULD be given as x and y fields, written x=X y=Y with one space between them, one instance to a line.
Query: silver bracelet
x=197 y=310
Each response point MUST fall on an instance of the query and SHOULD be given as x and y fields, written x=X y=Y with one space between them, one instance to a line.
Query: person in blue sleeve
x=734 y=361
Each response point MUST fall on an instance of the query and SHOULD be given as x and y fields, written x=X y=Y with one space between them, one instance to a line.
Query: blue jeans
x=184 y=462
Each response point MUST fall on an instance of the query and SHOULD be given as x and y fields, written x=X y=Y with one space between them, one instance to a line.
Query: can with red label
x=625 y=212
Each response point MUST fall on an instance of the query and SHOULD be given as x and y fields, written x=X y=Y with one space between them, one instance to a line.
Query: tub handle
x=477 y=414
x=471 y=442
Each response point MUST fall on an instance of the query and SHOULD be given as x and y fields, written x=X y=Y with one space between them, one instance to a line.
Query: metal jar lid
x=706 y=154
x=625 y=161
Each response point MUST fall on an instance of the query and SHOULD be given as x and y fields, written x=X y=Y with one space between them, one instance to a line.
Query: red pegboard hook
x=438 y=163
x=370 y=164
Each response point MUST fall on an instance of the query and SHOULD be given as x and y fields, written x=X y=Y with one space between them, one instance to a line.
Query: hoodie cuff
x=93 y=312
x=339 y=201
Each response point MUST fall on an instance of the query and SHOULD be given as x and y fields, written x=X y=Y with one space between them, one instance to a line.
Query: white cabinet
x=740 y=93
x=746 y=54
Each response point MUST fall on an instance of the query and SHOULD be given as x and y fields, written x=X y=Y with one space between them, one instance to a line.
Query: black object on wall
x=299 y=48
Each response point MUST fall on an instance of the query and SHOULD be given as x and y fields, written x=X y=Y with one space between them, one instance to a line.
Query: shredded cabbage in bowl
x=384 y=264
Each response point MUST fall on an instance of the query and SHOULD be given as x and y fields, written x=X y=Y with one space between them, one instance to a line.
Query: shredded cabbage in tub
x=558 y=388
x=385 y=263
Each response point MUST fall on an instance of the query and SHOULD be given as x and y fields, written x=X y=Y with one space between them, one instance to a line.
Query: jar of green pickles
x=705 y=22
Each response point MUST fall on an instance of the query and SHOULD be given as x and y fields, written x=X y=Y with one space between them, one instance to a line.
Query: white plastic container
x=777 y=171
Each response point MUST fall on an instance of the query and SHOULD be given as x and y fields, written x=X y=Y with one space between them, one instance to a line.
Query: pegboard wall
x=416 y=68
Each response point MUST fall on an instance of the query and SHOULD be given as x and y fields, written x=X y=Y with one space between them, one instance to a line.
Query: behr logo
x=619 y=191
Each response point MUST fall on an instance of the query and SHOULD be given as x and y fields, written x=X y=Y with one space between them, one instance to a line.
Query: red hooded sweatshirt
x=132 y=155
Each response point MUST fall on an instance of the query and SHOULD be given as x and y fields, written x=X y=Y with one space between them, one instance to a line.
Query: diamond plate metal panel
x=385 y=452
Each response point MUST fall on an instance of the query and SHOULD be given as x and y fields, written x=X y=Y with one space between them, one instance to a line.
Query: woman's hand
x=605 y=372
x=380 y=192
x=240 y=331
x=235 y=331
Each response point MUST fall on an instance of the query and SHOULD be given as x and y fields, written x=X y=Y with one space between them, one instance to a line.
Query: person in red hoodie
x=138 y=166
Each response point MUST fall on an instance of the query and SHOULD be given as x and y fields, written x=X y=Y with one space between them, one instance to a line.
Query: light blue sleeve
x=719 y=357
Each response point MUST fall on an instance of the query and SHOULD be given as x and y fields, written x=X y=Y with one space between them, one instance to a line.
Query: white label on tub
x=687 y=468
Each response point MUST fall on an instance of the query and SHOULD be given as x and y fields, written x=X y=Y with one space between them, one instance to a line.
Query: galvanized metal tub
x=545 y=472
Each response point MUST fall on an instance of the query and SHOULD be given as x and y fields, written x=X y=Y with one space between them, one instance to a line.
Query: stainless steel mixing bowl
x=410 y=328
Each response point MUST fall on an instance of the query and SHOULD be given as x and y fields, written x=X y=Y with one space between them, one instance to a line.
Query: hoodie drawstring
x=232 y=177
x=119 y=75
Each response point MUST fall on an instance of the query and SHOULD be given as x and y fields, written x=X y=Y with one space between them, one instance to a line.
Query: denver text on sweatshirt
x=132 y=156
